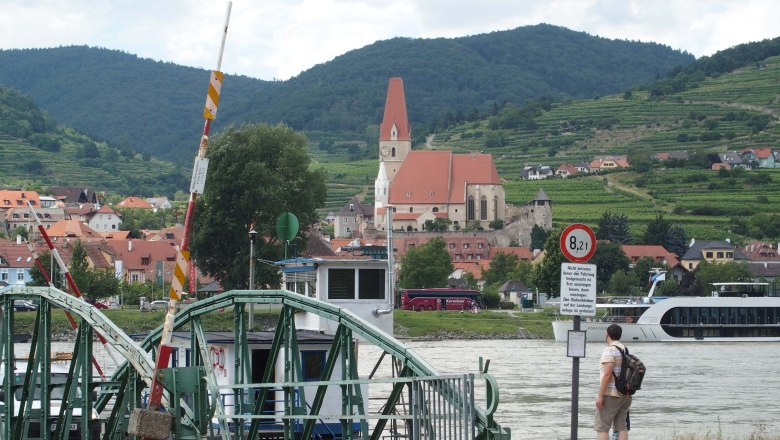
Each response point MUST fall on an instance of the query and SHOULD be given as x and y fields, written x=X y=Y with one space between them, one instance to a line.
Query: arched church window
x=435 y=209
x=495 y=207
x=483 y=208
x=470 y=209
x=392 y=152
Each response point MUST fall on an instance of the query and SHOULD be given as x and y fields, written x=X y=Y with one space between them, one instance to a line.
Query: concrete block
x=149 y=424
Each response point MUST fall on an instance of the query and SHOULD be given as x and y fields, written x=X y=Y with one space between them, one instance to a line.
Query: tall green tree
x=676 y=240
x=501 y=268
x=427 y=265
x=608 y=258
x=538 y=237
x=437 y=225
x=256 y=173
x=93 y=283
x=656 y=230
x=37 y=277
x=614 y=227
x=546 y=275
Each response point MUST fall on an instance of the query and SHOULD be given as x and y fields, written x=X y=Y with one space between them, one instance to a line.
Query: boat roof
x=261 y=337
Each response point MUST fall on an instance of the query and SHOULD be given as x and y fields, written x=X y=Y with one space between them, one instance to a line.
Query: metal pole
x=575 y=386
x=252 y=234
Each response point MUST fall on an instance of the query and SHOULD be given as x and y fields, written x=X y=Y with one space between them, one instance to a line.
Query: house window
x=15 y=215
x=479 y=256
x=341 y=283
x=720 y=254
x=26 y=215
x=483 y=208
x=729 y=254
x=20 y=275
x=371 y=283
x=435 y=209
x=479 y=245
x=145 y=261
x=312 y=364
x=458 y=256
x=452 y=245
x=708 y=255
x=4 y=275
x=470 y=256
x=135 y=278
x=465 y=245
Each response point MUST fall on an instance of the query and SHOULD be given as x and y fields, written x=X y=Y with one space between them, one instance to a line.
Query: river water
x=695 y=388
x=691 y=388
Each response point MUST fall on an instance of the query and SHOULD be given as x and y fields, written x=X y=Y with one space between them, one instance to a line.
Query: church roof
x=395 y=113
x=440 y=177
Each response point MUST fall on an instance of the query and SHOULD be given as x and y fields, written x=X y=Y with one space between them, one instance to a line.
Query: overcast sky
x=277 y=39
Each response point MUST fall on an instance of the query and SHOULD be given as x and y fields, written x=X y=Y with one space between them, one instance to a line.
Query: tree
x=437 y=225
x=546 y=275
x=656 y=230
x=538 y=237
x=641 y=272
x=496 y=224
x=608 y=258
x=256 y=173
x=37 y=277
x=622 y=284
x=94 y=283
x=707 y=273
x=614 y=227
x=427 y=265
x=676 y=241
x=501 y=268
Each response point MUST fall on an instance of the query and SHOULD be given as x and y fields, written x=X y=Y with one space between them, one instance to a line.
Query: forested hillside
x=155 y=107
x=36 y=152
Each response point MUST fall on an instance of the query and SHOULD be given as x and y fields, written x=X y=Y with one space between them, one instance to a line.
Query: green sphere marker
x=287 y=226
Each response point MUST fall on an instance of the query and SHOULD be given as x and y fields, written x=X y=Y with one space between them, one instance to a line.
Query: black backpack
x=632 y=372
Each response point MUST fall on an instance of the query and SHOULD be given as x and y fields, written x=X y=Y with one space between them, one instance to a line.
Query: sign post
x=578 y=297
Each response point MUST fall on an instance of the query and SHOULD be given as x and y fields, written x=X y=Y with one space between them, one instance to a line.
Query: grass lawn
x=484 y=325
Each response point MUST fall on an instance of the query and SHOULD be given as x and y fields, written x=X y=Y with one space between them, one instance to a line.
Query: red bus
x=440 y=299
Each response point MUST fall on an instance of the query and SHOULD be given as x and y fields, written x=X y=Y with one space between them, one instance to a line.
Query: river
x=691 y=388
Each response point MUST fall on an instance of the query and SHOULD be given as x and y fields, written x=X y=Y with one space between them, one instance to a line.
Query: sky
x=278 y=39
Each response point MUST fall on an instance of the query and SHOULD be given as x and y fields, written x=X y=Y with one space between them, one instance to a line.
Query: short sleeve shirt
x=612 y=354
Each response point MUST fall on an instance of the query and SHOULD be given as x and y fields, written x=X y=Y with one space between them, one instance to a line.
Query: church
x=425 y=185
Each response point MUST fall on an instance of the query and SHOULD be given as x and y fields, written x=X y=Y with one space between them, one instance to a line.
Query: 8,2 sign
x=578 y=243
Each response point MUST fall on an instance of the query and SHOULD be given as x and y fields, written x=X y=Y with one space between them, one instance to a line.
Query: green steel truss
x=432 y=406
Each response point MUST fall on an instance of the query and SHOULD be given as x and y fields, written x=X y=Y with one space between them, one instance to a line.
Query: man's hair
x=614 y=332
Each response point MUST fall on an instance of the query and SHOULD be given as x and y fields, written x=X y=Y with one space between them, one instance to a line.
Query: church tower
x=395 y=133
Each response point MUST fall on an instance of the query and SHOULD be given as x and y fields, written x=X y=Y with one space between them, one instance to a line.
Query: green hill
x=35 y=151
x=155 y=107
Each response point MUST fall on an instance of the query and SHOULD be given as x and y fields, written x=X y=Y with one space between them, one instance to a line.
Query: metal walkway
x=403 y=397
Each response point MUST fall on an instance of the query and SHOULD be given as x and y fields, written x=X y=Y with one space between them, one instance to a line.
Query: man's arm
x=605 y=378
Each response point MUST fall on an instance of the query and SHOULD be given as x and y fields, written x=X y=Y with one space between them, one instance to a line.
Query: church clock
x=384 y=151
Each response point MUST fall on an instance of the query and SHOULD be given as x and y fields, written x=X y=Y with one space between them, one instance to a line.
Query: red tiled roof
x=395 y=113
x=406 y=215
x=144 y=256
x=523 y=253
x=105 y=209
x=440 y=177
x=73 y=229
x=762 y=153
x=474 y=267
x=134 y=202
x=115 y=235
x=656 y=252
x=18 y=199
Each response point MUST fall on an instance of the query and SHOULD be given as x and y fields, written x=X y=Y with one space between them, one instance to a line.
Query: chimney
x=129 y=245
x=18 y=239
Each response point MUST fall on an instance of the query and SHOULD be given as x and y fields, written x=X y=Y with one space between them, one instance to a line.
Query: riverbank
x=487 y=324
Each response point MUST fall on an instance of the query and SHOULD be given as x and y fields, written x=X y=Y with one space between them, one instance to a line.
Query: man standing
x=611 y=406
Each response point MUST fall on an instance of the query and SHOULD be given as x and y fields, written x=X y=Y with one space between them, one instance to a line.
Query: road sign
x=578 y=243
x=578 y=289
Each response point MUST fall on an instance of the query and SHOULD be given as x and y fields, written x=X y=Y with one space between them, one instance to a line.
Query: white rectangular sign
x=198 y=182
x=578 y=289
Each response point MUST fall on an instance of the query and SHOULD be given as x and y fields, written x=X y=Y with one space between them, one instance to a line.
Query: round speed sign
x=578 y=243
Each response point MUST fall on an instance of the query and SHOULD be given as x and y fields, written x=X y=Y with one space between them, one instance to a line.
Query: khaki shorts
x=612 y=414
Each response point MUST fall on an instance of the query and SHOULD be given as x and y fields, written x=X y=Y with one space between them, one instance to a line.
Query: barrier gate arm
x=183 y=254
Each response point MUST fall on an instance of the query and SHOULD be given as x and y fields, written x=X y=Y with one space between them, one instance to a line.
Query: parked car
x=21 y=305
x=158 y=305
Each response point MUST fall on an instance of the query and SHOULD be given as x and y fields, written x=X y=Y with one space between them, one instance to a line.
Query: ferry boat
x=733 y=311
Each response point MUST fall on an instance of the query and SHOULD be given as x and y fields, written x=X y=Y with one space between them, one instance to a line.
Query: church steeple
x=395 y=132
x=381 y=187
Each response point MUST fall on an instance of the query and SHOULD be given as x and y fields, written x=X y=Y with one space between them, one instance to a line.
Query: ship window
x=371 y=284
x=341 y=283
x=312 y=364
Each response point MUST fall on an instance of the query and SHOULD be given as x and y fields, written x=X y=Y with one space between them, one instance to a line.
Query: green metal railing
x=427 y=404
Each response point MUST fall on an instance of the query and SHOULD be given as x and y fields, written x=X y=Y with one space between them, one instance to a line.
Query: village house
x=353 y=218
x=134 y=202
x=760 y=157
x=712 y=251
x=159 y=203
x=139 y=261
x=734 y=160
x=566 y=170
x=74 y=196
x=603 y=163
x=536 y=172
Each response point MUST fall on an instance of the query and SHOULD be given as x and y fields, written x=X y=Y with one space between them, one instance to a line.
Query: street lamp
x=252 y=234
